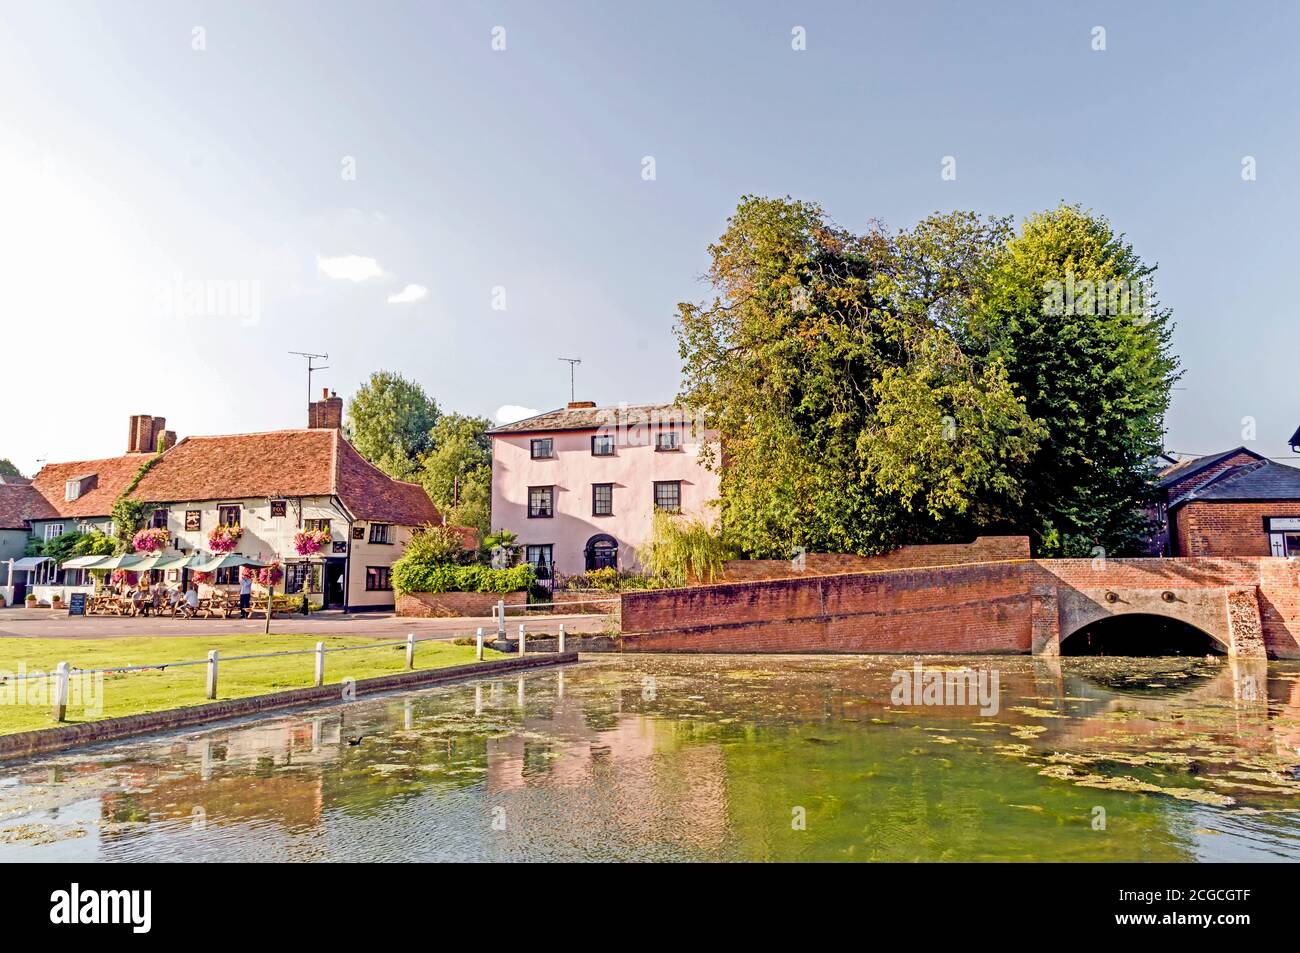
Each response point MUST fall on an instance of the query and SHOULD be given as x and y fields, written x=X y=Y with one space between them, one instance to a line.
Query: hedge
x=419 y=576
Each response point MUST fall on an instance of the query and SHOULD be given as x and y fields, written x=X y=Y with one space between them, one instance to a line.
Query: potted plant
x=270 y=574
x=309 y=542
x=2 y=601
x=31 y=600
x=151 y=540
x=224 y=539
x=56 y=601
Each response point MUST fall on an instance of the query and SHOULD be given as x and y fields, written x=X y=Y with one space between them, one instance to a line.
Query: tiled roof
x=1185 y=468
x=283 y=463
x=20 y=503
x=373 y=495
x=593 y=418
x=112 y=476
x=1262 y=480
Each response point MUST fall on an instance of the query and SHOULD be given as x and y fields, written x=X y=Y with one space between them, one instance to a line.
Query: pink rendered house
x=579 y=486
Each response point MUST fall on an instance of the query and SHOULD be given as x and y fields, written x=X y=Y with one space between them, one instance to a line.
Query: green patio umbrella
x=120 y=561
x=227 y=561
x=168 y=560
x=83 y=562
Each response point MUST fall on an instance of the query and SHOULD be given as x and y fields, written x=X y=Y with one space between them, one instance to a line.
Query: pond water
x=711 y=758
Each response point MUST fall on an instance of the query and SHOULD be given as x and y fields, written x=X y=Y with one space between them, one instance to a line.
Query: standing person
x=245 y=593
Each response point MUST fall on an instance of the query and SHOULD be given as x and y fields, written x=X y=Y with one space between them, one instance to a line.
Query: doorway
x=602 y=552
x=334 y=595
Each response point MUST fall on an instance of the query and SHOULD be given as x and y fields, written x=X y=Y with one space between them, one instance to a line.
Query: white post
x=560 y=647
x=523 y=640
x=501 y=619
x=212 y=674
x=410 y=650
x=320 y=664
x=478 y=645
x=61 y=676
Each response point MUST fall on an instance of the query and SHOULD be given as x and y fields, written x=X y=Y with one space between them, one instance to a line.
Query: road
x=48 y=624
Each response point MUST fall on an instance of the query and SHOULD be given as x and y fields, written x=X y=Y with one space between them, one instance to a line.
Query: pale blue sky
x=128 y=157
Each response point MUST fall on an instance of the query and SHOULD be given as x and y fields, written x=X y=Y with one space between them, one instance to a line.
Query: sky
x=461 y=192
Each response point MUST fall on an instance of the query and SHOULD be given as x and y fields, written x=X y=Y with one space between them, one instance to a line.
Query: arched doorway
x=602 y=552
x=1140 y=634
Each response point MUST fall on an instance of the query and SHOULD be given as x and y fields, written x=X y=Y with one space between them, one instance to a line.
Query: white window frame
x=53 y=531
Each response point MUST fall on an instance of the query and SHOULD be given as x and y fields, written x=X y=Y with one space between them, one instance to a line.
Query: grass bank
x=27 y=705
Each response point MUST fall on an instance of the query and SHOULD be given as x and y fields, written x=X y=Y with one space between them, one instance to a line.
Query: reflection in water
x=683 y=757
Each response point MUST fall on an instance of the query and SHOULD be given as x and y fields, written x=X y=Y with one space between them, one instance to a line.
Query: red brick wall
x=1202 y=528
x=437 y=605
x=959 y=609
x=985 y=608
x=984 y=549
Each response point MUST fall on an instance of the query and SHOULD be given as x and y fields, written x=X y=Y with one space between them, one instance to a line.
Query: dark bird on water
x=355 y=741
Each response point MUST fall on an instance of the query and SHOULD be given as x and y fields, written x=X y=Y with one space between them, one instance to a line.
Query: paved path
x=48 y=624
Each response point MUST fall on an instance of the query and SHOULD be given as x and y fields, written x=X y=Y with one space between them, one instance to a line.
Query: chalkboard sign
x=77 y=604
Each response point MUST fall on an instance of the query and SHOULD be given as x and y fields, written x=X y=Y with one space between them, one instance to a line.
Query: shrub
x=610 y=579
x=416 y=575
x=437 y=545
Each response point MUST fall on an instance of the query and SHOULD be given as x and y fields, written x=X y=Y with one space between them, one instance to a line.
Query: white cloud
x=408 y=294
x=509 y=413
x=349 y=267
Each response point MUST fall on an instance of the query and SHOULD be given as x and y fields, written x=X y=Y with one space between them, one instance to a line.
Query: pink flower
x=308 y=542
x=224 y=539
x=270 y=574
x=151 y=540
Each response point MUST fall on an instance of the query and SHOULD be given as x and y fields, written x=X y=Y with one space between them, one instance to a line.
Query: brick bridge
x=1248 y=605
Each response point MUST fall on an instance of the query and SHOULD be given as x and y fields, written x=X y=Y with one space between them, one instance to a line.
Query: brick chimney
x=326 y=413
x=581 y=404
x=147 y=432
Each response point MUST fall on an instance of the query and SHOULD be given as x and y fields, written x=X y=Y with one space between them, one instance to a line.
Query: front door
x=602 y=552
x=332 y=583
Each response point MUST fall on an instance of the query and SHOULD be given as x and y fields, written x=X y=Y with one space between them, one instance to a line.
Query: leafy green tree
x=9 y=471
x=855 y=416
x=389 y=421
x=457 y=470
x=1070 y=312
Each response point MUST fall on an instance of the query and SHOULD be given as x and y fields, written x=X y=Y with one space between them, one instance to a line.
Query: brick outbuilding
x=1235 y=503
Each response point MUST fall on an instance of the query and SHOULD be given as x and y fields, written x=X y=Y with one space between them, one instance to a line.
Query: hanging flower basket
x=124 y=577
x=309 y=542
x=270 y=575
x=199 y=578
x=224 y=539
x=151 y=540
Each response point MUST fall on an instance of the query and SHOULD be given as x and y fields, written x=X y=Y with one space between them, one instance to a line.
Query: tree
x=1070 y=311
x=8 y=471
x=854 y=416
x=457 y=470
x=389 y=421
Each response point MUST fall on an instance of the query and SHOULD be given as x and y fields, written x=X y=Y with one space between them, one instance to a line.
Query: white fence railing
x=64 y=671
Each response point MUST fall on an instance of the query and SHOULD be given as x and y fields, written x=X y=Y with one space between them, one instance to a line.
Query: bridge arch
x=1141 y=633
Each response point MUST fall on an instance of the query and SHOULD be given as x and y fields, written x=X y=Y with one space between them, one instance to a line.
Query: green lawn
x=24 y=705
